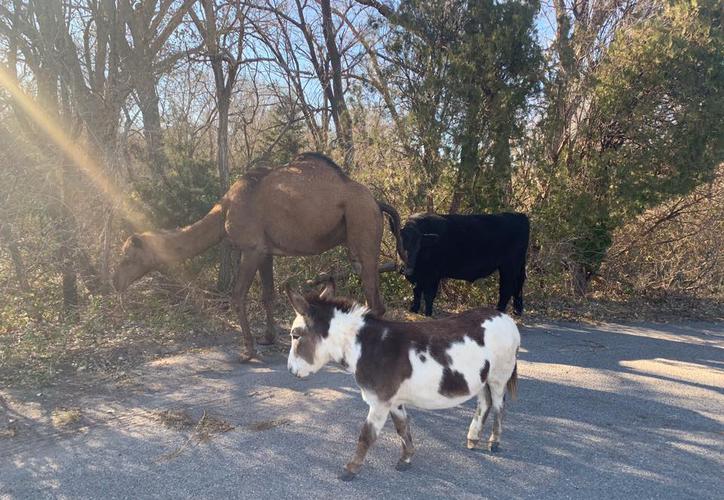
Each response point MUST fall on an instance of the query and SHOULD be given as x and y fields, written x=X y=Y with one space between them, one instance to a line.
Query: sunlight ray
x=75 y=152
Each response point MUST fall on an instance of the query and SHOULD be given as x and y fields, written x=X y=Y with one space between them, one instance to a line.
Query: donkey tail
x=512 y=384
x=395 y=226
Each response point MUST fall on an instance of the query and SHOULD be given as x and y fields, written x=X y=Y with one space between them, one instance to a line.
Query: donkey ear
x=136 y=241
x=329 y=289
x=299 y=303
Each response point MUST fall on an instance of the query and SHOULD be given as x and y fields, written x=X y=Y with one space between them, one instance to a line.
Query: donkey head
x=312 y=347
x=137 y=258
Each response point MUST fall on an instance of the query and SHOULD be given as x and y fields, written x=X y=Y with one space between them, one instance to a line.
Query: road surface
x=606 y=411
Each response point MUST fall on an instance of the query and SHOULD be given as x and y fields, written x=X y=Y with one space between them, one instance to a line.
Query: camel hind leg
x=266 y=274
x=364 y=237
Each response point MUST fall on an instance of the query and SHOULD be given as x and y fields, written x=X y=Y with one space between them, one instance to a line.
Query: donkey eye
x=295 y=336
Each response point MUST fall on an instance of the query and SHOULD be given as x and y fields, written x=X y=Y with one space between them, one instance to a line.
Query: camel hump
x=322 y=158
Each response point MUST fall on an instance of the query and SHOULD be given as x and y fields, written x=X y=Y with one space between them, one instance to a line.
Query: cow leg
x=475 y=430
x=376 y=419
x=416 y=298
x=266 y=273
x=497 y=391
x=402 y=425
x=507 y=285
x=250 y=263
x=518 y=292
x=430 y=292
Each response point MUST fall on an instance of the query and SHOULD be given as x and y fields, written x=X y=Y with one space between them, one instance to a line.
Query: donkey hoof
x=346 y=475
x=472 y=444
x=402 y=465
x=494 y=446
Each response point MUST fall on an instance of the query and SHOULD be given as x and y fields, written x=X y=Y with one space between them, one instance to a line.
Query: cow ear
x=329 y=290
x=299 y=303
x=429 y=239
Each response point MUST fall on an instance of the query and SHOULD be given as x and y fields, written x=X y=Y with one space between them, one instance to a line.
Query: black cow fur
x=466 y=247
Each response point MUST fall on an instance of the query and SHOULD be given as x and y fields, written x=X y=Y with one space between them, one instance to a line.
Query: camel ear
x=329 y=290
x=136 y=241
x=299 y=303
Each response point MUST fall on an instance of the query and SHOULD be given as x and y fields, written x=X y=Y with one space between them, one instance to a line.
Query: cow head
x=414 y=240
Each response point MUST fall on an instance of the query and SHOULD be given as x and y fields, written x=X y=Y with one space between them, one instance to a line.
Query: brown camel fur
x=303 y=208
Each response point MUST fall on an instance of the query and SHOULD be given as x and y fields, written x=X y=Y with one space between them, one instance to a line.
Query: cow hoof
x=346 y=475
x=494 y=447
x=472 y=444
x=402 y=465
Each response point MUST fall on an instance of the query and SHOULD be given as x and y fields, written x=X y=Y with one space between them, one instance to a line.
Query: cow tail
x=395 y=226
x=512 y=384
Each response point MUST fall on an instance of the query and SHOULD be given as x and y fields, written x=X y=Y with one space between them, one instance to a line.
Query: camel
x=303 y=208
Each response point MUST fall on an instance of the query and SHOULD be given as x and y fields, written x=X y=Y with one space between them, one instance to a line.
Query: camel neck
x=191 y=240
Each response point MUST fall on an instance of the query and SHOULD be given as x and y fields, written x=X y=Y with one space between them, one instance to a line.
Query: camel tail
x=395 y=226
x=512 y=384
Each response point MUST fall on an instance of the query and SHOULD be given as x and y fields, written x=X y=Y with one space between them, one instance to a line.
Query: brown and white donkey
x=428 y=364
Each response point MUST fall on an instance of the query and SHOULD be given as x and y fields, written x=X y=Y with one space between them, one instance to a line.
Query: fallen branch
x=340 y=275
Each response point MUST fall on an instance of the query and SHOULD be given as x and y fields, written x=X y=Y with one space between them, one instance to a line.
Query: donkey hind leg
x=250 y=262
x=481 y=414
x=402 y=424
x=376 y=419
x=497 y=395
x=266 y=273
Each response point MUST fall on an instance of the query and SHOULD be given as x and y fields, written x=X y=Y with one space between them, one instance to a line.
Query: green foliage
x=284 y=138
x=466 y=74
x=189 y=191
x=648 y=127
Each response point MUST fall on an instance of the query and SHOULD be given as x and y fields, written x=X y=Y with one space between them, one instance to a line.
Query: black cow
x=466 y=247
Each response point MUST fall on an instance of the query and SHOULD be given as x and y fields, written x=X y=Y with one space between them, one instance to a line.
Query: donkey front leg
x=402 y=424
x=376 y=419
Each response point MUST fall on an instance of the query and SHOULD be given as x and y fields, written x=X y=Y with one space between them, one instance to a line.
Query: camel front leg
x=250 y=262
x=376 y=419
x=266 y=273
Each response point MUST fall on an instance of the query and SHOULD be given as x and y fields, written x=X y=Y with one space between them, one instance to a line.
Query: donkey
x=430 y=364
x=303 y=208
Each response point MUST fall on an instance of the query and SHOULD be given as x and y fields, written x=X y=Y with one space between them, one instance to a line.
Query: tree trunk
x=149 y=102
x=228 y=256
x=580 y=278
x=343 y=121
x=20 y=273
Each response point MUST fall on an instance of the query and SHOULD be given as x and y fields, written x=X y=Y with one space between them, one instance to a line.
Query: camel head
x=137 y=258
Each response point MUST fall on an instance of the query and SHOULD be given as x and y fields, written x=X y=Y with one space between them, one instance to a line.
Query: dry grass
x=64 y=417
